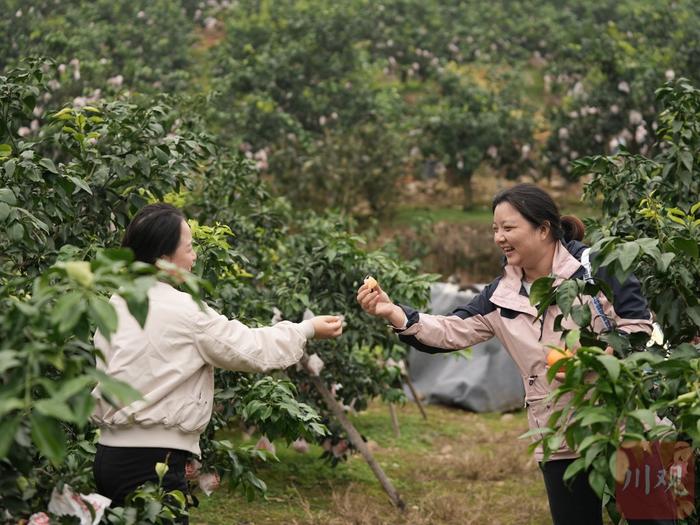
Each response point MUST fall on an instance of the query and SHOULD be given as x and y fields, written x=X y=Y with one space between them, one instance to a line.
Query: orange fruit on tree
x=555 y=355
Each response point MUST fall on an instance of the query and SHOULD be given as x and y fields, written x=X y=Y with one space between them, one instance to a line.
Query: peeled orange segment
x=370 y=282
x=555 y=355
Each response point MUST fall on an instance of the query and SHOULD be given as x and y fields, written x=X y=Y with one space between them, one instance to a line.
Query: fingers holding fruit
x=373 y=299
x=327 y=326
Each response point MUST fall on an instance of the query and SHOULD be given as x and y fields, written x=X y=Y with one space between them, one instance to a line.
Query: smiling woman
x=527 y=227
x=536 y=242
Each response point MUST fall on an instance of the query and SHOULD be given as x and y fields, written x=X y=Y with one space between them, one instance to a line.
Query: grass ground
x=456 y=468
x=410 y=215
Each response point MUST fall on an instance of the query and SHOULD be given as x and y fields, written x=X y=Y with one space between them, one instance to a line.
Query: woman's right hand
x=375 y=301
x=327 y=326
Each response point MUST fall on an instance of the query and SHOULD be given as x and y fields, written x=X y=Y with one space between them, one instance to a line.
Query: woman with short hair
x=171 y=361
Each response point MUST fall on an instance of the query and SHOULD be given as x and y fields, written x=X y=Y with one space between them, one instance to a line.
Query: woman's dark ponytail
x=572 y=227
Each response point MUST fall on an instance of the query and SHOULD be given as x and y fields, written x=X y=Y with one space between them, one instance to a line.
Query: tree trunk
x=394 y=420
x=468 y=192
x=415 y=396
x=358 y=442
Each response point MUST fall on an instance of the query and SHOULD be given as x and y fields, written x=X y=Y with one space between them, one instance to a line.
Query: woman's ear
x=545 y=229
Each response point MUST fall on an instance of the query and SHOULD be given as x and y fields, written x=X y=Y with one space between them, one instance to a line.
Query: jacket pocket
x=193 y=415
x=197 y=403
x=537 y=414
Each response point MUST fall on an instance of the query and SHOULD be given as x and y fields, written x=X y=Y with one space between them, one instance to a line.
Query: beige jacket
x=503 y=310
x=171 y=363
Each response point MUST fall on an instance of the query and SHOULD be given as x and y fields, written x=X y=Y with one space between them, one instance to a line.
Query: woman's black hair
x=154 y=232
x=539 y=209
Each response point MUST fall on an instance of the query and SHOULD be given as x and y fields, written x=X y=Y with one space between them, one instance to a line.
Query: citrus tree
x=66 y=193
x=651 y=226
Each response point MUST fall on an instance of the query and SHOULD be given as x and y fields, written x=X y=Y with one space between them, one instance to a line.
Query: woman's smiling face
x=522 y=243
x=184 y=255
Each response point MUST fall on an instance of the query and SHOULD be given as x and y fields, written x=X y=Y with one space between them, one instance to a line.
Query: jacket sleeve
x=466 y=326
x=631 y=313
x=229 y=344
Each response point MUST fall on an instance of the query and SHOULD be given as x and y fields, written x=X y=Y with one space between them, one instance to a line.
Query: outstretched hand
x=327 y=326
x=375 y=301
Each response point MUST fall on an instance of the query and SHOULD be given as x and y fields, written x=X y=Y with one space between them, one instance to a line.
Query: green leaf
x=8 y=360
x=597 y=482
x=627 y=254
x=104 y=315
x=87 y=447
x=82 y=406
x=10 y=404
x=664 y=261
x=687 y=246
x=611 y=364
x=694 y=313
x=16 y=231
x=80 y=271
x=117 y=392
x=645 y=416
x=536 y=432
x=80 y=183
x=589 y=440
x=10 y=167
x=566 y=295
x=555 y=441
x=581 y=314
x=540 y=290
x=572 y=338
x=48 y=164
x=687 y=160
x=73 y=386
x=5 y=150
x=139 y=309
x=67 y=311
x=8 y=196
x=49 y=437
x=4 y=211
x=8 y=429
x=179 y=497
x=64 y=114
x=55 y=408
x=574 y=468
x=596 y=417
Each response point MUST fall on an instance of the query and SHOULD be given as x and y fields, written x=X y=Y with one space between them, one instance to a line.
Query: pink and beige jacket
x=503 y=310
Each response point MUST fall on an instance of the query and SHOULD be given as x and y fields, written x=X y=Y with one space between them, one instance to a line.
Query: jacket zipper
x=544 y=315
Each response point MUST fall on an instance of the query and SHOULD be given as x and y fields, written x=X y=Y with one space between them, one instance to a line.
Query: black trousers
x=120 y=470
x=575 y=503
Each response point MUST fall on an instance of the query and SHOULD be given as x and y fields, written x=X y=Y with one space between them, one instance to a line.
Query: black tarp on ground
x=487 y=381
